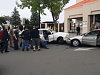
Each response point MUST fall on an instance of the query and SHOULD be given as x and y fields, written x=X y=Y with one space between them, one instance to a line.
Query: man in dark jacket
x=5 y=39
x=35 y=38
x=26 y=38
x=15 y=38
x=78 y=30
x=1 y=34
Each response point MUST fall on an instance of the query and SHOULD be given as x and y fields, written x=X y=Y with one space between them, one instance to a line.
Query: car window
x=47 y=32
x=93 y=33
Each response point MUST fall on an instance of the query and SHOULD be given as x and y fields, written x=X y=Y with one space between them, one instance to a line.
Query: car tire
x=75 y=43
x=60 y=40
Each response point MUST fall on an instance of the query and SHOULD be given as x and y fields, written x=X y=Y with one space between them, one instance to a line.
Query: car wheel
x=60 y=40
x=75 y=43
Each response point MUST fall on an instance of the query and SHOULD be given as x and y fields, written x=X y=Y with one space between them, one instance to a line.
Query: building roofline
x=79 y=4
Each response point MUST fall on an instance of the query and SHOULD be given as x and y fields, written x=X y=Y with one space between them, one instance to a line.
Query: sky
x=7 y=7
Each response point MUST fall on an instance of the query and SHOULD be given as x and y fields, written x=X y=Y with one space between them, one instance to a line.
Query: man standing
x=26 y=38
x=1 y=34
x=78 y=30
x=16 y=36
x=35 y=38
x=11 y=33
x=5 y=38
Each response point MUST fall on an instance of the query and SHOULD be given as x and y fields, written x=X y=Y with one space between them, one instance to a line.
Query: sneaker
x=39 y=49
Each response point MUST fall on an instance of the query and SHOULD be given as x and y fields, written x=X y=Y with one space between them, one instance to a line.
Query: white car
x=91 y=38
x=51 y=35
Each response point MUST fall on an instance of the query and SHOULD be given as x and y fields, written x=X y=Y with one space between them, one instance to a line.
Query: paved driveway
x=58 y=60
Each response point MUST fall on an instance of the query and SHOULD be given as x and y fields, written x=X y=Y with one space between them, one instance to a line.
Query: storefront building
x=85 y=13
x=50 y=25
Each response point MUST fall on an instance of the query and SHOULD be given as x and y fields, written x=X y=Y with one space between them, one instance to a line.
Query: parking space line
x=84 y=49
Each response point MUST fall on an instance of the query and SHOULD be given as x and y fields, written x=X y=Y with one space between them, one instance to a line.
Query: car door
x=41 y=34
x=90 y=38
x=98 y=39
x=48 y=35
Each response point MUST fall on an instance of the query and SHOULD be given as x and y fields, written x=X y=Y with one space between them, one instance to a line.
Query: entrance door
x=48 y=35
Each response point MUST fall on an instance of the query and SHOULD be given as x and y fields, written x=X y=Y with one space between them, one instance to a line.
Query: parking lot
x=57 y=60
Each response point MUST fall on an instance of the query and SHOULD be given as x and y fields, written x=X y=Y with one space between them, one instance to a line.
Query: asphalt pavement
x=57 y=60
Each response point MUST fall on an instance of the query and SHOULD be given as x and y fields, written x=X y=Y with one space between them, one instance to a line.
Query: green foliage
x=55 y=6
x=2 y=20
x=35 y=19
x=34 y=5
x=15 y=18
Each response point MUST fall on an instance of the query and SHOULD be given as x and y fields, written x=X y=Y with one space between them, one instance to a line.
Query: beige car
x=91 y=38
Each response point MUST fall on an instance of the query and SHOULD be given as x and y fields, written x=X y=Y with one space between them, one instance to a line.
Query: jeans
x=43 y=43
x=25 y=44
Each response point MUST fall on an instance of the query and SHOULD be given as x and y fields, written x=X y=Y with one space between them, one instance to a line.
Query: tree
x=55 y=6
x=25 y=21
x=36 y=6
x=15 y=18
x=2 y=20
x=35 y=20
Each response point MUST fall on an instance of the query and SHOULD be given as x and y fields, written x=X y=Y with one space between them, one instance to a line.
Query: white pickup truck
x=51 y=35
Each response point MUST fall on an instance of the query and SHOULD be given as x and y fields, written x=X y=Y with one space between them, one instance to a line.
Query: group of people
x=29 y=38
